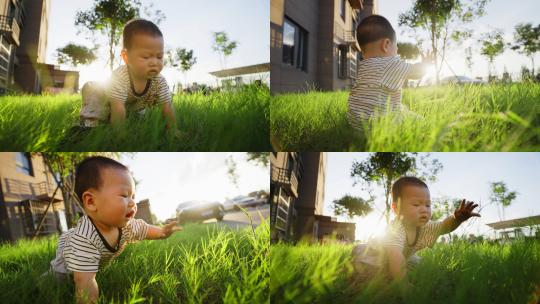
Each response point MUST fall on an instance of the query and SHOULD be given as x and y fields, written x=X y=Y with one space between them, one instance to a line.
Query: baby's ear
x=88 y=200
x=123 y=54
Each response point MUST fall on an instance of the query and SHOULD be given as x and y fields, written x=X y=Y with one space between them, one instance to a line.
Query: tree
x=408 y=50
x=383 y=168
x=501 y=196
x=352 y=206
x=75 y=54
x=492 y=46
x=223 y=46
x=527 y=41
x=182 y=58
x=259 y=158
x=443 y=207
x=109 y=17
x=443 y=20
x=468 y=58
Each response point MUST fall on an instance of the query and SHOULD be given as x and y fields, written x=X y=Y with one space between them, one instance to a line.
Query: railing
x=27 y=190
x=10 y=28
x=286 y=178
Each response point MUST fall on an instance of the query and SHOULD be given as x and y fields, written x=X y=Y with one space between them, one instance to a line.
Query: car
x=460 y=80
x=198 y=211
x=243 y=201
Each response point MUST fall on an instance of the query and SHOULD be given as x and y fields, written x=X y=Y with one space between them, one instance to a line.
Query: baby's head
x=376 y=37
x=411 y=201
x=106 y=190
x=143 y=48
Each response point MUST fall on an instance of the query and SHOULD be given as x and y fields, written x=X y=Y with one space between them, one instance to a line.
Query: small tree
x=501 y=196
x=527 y=41
x=443 y=20
x=492 y=46
x=181 y=58
x=74 y=54
x=383 y=168
x=108 y=17
x=352 y=206
x=408 y=51
x=223 y=46
x=468 y=59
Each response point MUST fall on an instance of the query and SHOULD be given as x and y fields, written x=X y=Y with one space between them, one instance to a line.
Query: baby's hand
x=465 y=211
x=169 y=229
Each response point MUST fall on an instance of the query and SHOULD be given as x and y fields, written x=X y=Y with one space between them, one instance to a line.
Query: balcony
x=286 y=179
x=27 y=190
x=357 y=4
x=10 y=28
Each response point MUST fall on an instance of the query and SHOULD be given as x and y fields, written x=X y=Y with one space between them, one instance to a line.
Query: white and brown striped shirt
x=396 y=237
x=84 y=249
x=121 y=90
x=377 y=88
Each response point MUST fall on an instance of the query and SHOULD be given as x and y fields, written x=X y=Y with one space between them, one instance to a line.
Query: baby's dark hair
x=137 y=27
x=373 y=28
x=402 y=182
x=88 y=173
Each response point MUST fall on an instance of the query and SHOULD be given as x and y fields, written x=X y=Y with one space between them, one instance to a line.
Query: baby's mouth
x=130 y=214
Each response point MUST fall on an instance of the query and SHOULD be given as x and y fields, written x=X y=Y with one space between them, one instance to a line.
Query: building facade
x=313 y=43
x=12 y=16
x=297 y=199
x=26 y=188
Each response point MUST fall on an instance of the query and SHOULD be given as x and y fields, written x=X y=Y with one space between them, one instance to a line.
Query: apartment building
x=313 y=44
x=297 y=199
x=26 y=188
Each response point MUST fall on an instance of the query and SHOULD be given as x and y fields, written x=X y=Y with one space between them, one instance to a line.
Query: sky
x=501 y=14
x=464 y=175
x=188 y=24
x=168 y=179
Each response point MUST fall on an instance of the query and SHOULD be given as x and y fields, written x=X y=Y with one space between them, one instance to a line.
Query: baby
x=107 y=192
x=410 y=232
x=133 y=87
x=381 y=73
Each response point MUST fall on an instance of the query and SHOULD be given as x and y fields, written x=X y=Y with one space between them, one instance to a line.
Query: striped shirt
x=377 y=88
x=396 y=237
x=121 y=90
x=84 y=249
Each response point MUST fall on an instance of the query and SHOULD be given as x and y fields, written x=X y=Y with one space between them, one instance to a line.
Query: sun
x=94 y=72
x=371 y=226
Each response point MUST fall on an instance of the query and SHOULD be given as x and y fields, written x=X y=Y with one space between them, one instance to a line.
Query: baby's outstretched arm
x=418 y=70
x=155 y=232
x=462 y=213
x=86 y=287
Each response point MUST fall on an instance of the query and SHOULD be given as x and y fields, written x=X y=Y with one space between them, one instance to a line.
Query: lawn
x=201 y=264
x=228 y=121
x=449 y=273
x=451 y=118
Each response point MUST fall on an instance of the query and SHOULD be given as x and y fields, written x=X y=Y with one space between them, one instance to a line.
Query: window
x=342 y=61
x=23 y=163
x=342 y=9
x=294 y=45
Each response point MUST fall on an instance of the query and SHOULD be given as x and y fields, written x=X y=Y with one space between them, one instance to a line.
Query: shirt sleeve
x=395 y=236
x=394 y=73
x=164 y=92
x=118 y=87
x=137 y=229
x=81 y=255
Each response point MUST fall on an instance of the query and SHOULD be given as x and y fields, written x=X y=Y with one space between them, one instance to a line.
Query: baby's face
x=415 y=205
x=145 y=57
x=115 y=204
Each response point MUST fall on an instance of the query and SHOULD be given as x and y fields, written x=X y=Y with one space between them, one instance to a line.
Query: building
x=143 y=211
x=313 y=43
x=245 y=74
x=12 y=15
x=297 y=199
x=26 y=188
x=511 y=229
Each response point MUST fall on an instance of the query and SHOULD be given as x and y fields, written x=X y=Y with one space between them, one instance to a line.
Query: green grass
x=449 y=273
x=452 y=118
x=201 y=264
x=229 y=121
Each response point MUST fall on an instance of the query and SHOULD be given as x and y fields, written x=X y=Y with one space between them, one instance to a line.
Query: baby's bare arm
x=462 y=213
x=417 y=71
x=118 y=112
x=155 y=232
x=396 y=263
x=86 y=287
